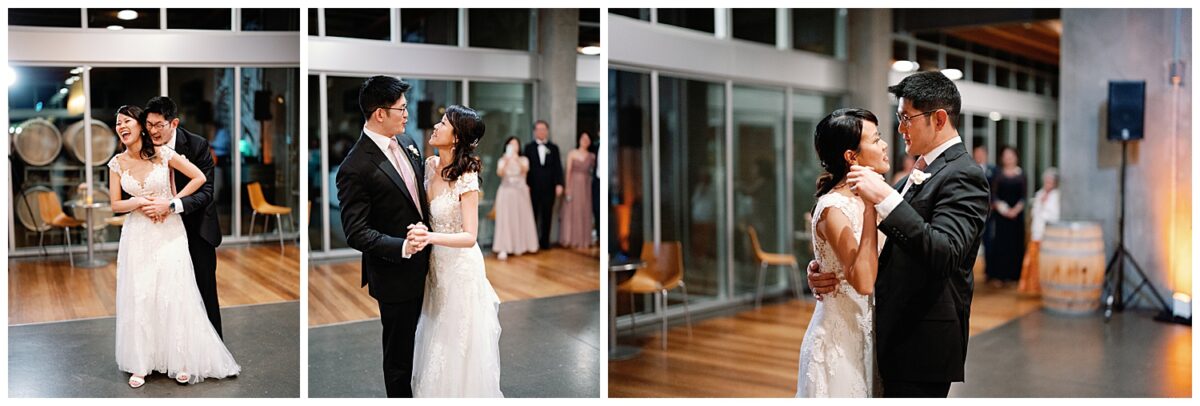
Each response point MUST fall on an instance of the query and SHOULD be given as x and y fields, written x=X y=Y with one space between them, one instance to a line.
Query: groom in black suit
x=934 y=221
x=382 y=194
x=198 y=210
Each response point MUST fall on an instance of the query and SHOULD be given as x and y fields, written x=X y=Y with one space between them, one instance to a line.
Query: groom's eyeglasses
x=157 y=126
x=395 y=108
x=906 y=120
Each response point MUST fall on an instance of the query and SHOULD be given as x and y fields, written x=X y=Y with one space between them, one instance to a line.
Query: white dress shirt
x=885 y=207
x=543 y=150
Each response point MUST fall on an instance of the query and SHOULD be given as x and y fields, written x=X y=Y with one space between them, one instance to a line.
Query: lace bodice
x=157 y=182
x=852 y=208
x=445 y=210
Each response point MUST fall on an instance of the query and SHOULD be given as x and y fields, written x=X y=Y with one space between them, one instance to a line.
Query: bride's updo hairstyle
x=837 y=133
x=468 y=130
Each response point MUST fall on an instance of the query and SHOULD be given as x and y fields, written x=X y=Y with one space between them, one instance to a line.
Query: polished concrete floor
x=75 y=358
x=549 y=348
x=1047 y=355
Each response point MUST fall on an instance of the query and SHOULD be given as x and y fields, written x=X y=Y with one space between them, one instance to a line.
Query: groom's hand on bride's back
x=820 y=283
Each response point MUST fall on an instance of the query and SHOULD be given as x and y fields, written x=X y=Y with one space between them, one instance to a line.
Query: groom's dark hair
x=164 y=106
x=929 y=91
x=379 y=92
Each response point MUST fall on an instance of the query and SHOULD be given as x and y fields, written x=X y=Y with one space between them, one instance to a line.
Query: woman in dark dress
x=1008 y=213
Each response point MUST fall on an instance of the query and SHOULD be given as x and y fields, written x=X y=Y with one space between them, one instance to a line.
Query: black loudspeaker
x=262 y=105
x=425 y=114
x=1126 y=109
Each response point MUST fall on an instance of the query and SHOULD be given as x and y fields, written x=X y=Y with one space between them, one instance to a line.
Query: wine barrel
x=1072 y=267
x=37 y=141
x=29 y=209
x=104 y=142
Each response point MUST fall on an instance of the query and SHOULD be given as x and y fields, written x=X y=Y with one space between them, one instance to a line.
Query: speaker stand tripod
x=1114 y=279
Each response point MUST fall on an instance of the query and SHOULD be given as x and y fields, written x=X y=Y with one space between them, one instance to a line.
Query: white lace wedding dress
x=161 y=322
x=457 y=350
x=837 y=356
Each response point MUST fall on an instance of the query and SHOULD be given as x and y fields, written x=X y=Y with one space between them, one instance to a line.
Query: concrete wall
x=1130 y=44
x=558 y=35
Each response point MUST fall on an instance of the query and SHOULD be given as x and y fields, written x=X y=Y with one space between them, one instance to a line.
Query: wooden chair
x=768 y=259
x=259 y=204
x=51 y=211
x=663 y=271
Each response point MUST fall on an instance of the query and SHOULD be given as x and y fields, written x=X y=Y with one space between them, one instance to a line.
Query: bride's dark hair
x=468 y=129
x=139 y=115
x=837 y=133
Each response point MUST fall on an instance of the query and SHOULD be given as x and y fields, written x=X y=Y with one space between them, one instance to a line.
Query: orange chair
x=51 y=211
x=663 y=271
x=259 y=204
x=766 y=260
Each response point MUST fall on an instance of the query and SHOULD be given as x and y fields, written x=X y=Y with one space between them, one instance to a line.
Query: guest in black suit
x=198 y=210
x=933 y=225
x=382 y=196
x=545 y=179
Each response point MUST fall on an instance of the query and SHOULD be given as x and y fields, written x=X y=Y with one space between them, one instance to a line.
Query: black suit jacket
x=376 y=212
x=543 y=177
x=923 y=292
x=199 y=208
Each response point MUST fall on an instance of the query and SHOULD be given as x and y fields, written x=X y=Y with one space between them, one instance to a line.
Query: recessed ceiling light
x=995 y=116
x=590 y=50
x=905 y=66
x=115 y=27
x=953 y=74
x=127 y=15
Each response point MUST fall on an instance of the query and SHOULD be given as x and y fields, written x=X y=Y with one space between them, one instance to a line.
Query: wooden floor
x=48 y=289
x=335 y=295
x=756 y=353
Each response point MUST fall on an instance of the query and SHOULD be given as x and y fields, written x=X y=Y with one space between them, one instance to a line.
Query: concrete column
x=558 y=35
x=868 y=60
x=1158 y=178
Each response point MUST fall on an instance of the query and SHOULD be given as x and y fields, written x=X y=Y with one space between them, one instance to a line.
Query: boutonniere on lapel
x=413 y=150
x=919 y=177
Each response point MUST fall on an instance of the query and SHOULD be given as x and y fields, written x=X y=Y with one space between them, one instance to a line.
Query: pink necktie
x=406 y=172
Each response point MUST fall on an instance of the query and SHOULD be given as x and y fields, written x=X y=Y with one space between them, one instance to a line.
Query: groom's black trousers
x=204 y=263
x=903 y=389
x=399 y=331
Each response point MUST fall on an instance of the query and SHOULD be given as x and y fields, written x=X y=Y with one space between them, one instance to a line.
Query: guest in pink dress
x=516 y=232
x=576 y=228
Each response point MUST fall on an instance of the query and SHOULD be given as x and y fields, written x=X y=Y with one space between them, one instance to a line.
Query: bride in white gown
x=161 y=322
x=837 y=356
x=457 y=347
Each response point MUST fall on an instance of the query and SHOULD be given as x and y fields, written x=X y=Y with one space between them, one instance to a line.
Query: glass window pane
x=507 y=108
x=1040 y=137
x=638 y=13
x=699 y=19
x=147 y=18
x=313 y=22
x=200 y=18
x=1022 y=81
x=270 y=19
x=815 y=30
x=316 y=202
x=345 y=126
x=693 y=181
x=979 y=71
x=955 y=61
x=587 y=116
x=979 y=131
x=754 y=24
x=758 y=181
x=589 y=27
x=365 y=23
x=429 y=26
x=45 y=17
x=205 y=100
x=268 y=150
x=630 y=200
x=1003 y=77
x=499 y=28
x=900 y=51
x=46 y=104
x=807 y=111
x=927 y=58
